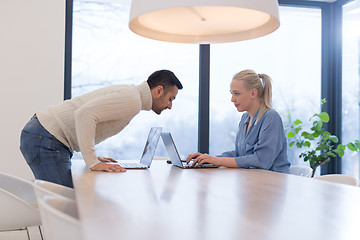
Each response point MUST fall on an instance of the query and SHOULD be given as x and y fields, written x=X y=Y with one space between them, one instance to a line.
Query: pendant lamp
x=203 y=21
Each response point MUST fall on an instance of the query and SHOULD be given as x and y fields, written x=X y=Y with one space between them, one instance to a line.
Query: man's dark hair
x=164 y=78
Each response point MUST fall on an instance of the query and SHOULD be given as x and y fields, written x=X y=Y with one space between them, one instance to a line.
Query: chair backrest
x=59 y=217
x=43 y=187
x=19 y=187
x=339 y=178
x=16 y=213
x=301 y=170
x=18 y=205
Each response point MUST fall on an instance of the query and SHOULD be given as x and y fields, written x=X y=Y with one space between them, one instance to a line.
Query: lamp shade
x=203 y=21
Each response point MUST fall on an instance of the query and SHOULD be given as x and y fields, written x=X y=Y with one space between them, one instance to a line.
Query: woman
x=260 y=141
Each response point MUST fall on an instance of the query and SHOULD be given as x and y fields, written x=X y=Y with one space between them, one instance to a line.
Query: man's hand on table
x=106 y=165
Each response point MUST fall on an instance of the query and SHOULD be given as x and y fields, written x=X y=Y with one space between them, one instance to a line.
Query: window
x=291 y=56
x=106 y=52
x=350 y=85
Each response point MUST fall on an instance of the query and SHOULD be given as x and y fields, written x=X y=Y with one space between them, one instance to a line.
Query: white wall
x=31 y=70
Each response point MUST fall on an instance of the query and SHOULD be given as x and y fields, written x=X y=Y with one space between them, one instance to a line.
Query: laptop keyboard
x=132 y=165
x=204 y=165
x=189 y=165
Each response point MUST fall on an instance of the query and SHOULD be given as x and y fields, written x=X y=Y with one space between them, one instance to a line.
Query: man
x=49 y=139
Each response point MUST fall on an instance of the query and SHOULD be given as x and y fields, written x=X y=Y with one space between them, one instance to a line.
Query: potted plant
x=325 y=145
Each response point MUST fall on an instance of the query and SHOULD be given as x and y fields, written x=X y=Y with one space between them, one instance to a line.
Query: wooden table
x=169 y=203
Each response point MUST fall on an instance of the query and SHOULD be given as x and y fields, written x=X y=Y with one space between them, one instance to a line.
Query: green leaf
x=323 y=101
x=324 y=117
x=297 y=122
x=325 y=136
x=316 y=134
x=307 y=144
x=315 y=123
x=342 y=147
x=310 y=137
x=352 y=147
x=290 y=135
x=319 y=125
x=327 y=133
x=299 y=144
x=339 y=152
x=333 y=138
x=305 y=134
x=291 y=144
x=297 y=130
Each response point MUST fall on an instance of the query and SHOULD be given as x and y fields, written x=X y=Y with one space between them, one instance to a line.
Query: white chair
x=301 y=170
x=18 y=205
x=59 y=217
x=43 y=187
x=339 y=178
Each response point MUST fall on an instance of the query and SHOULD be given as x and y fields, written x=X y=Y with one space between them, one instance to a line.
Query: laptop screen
x=150 y=146
x=171 y=149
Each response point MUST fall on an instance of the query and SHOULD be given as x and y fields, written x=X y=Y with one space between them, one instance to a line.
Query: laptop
x=148 y=153
x=175 y=157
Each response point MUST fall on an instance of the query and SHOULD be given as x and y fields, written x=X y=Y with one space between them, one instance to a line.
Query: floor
x=21 y=235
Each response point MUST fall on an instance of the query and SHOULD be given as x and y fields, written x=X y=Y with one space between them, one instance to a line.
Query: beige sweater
x=82 y=122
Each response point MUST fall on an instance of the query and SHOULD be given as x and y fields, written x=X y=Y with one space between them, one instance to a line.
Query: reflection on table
x=165 y=202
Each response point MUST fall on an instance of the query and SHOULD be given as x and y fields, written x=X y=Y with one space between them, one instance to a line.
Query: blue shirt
x=263 y=146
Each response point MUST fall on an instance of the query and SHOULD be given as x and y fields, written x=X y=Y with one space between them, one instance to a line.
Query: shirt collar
x=254 y=119
x=146 y=98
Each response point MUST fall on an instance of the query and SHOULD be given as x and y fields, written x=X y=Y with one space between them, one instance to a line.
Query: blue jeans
x=48 y=158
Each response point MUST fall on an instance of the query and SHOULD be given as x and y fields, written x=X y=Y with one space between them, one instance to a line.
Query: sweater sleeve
x=112 y=106
x=267 y=148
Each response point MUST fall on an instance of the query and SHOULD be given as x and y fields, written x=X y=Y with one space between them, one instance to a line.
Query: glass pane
x=106 y=52
x=291 y=56
x=350 y=85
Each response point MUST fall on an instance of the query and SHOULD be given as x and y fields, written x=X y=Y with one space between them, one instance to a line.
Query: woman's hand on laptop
x=192 y=156
x=199 y=158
